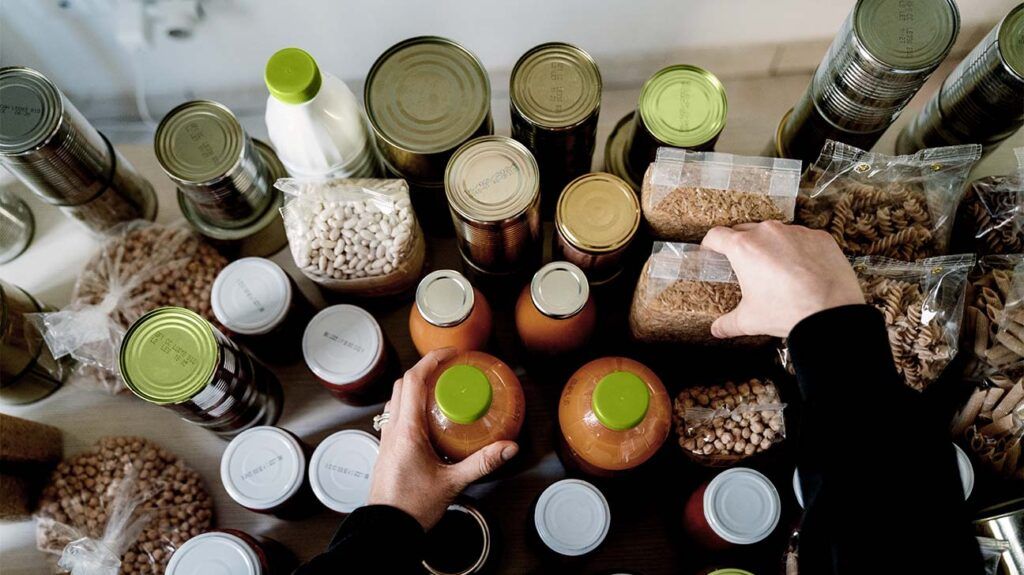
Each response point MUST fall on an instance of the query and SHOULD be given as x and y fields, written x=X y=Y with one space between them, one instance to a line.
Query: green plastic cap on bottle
x=463 y=393
x=620 y=400
x=292 y=76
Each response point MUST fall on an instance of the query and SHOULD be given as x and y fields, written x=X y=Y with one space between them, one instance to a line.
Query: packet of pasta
x=994 y=317
x=991 y=216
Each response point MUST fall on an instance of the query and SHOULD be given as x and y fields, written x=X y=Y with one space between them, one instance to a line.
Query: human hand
x=786 y=273
x=409 y=474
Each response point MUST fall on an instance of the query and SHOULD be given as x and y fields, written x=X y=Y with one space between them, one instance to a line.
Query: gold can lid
x=683 y=106
x=598 y=212
x=556 y=85
x=491 y=179
x=199 y=141
x=559 y=290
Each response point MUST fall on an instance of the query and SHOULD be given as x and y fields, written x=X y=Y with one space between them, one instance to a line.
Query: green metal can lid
x=199 y=141
x=427 y=95
x=683 y=106
x=621 y=400
x=292 y=76
x=907 y=34
x=168 y=355
x=31 y=110
x=730 y=572
x=556 y=85
x=463 y=393
x=1011 y=40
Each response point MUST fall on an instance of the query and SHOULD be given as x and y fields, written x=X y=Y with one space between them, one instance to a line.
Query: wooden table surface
x=646 y=508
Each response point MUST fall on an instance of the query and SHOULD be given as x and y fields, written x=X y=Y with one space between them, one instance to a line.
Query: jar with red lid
x=739 y=506
x=264 y=470
x=475 y=400
x=449 y=312
x=349 y=355
x=230 y=552
x=614 y=415
x=555 y=314
x=341 y=467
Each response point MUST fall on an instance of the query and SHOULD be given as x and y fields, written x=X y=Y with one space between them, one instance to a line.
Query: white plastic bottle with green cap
x=314 y=120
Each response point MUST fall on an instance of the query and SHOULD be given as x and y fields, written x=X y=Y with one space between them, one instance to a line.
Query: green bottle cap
x=168 y=355
x=683 y=106
x=292 y=76
x=620 y=400
x=463 y=393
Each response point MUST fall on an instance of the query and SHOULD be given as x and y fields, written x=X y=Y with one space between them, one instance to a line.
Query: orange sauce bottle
x=555 y=314
x=449 y=312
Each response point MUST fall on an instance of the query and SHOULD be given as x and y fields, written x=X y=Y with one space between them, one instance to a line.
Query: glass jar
x=555 y=314
x=349 y=355
x=739 y=506
x=174 y=358
x=255 y=300
x=340 y=469
x=460 y=543
x=230 y=552
x=572 y=518
x=614 y=415
x=28 y=371
x=449 y=312
x=264 y=470
x=475 y=400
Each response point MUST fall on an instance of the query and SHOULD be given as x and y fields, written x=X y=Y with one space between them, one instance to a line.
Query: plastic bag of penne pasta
x=994 y=317
x=923 y=304
x=990 y=426
x=873 y=204
x=991 y=216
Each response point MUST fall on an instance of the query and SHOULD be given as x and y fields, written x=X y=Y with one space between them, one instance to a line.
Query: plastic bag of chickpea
x=720 y=425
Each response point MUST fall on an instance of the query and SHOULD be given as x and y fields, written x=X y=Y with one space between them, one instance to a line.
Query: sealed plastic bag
x=994 y=318
x=359 y=237
x=872 y=204
x=991 y=215
x=991 y=425
x=686 y=193
x=140 y=267
x=682 y=290
x=720 y=425
x=923 y=304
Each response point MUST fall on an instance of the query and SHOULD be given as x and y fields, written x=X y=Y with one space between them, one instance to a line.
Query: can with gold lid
x=596 y=219
x=555 y=92
x=493 y=189
x=616 y=153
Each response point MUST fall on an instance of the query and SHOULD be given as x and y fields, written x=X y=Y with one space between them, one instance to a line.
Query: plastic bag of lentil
x=682 y=290
x=355 y=236
x=141 y=266
x=872 y=204
x=994 y=317
x=991 y=216
x=923 y=305
x=687 y=193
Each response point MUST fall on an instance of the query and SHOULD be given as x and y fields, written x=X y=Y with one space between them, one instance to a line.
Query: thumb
x=485 y=461
x=728 y=325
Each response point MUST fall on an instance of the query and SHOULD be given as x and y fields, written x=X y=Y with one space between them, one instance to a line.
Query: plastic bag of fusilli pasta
x=873 y=204
x=991 y=216
x=923 y=305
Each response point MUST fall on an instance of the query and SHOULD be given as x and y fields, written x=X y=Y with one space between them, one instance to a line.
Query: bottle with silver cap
x=556 y=314
x=449 y=312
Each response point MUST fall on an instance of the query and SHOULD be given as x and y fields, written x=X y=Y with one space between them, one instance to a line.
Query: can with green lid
x=174 y=358
x=555 y=93
x=982 y=99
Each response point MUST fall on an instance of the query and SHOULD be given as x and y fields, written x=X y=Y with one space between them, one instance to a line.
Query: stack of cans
x=883 y=54
x=63 y=159
x=982 y=100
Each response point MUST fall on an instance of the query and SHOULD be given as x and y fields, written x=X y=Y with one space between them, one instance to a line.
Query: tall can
x=884 y=52
x=174 y=358
x=555 y=92
x=982 y=99
x=493 y=189
x=17 y=226
x=616 y=147
x=28 y=371
x=47 y=143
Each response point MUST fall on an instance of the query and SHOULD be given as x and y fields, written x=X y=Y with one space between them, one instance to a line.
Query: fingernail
x=509 y=452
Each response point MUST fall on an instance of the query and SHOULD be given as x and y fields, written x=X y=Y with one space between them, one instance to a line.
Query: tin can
x=740 y=506
x=341 y=468
x=17 y=226
x=596 y=220
x=349 y=354
x=571 y=518
x=981 y=99
x=425 y=97
x=264 y=470
x=555 y=92
x=28 y=371
x=174 y=358
x=882 y=55
x=230 y=552
x=204 y=150
x=1005 y=523
x=461 y=542
x=63 y=159
x=616 y=153
x=493 y=189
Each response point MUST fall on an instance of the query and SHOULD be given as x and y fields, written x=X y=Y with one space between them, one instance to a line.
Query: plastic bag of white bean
x=354 y=236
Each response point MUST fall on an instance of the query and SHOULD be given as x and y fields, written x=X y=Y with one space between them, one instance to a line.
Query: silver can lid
x=444 y=298
x=572 y=517
x=341 y=467
x=559 y=290
x=251 y=296
x=215 y=552
x=263 y=467
x=199 y=142
x=30 y=110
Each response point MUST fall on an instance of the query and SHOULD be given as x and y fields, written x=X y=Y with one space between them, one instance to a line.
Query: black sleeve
x=373 y=539
x=877 y=469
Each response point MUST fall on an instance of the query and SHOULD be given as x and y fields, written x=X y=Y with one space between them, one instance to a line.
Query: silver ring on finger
x=380 y=420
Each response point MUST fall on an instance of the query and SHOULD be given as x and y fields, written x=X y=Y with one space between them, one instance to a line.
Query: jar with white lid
x=740 y=506
x=264 y=470
x=571 y=518
x=347 y=351
x=449 y=312
x=230 y=552
x=555 y=313
x=340 y=469
x=258 y=302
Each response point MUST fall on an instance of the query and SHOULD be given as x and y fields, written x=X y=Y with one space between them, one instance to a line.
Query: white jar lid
x=339 y=471
x=572 y=517
x=214 y=553
x=742 y=506
x=262 y=467
x=251 y=296
x=342 y=344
